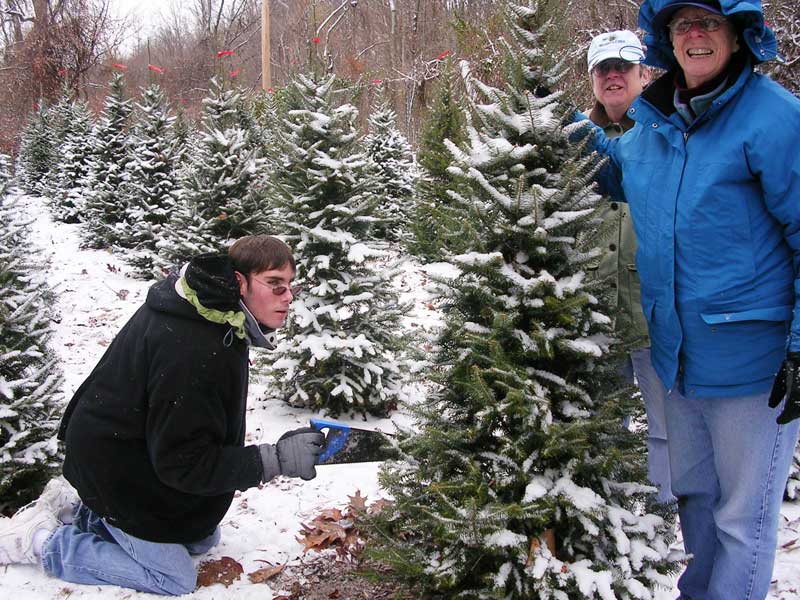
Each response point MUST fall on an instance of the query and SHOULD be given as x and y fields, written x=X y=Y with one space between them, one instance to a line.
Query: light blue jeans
x=91 y=551
x=654 y=395
x=730 y=462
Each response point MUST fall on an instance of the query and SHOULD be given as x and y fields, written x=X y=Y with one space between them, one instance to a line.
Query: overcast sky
x=142 y=14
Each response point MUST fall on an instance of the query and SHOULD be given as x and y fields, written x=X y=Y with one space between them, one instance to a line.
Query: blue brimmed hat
x=664 y=16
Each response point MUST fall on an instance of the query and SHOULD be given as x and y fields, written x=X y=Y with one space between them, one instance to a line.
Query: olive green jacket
x=618 y=261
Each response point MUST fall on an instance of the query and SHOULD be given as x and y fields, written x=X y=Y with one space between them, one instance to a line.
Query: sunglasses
x=618 y=65
x=707 y=24
x=279 y=289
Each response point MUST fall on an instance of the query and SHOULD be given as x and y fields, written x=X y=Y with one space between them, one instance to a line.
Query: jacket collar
x=257 y=334
x=599 y=116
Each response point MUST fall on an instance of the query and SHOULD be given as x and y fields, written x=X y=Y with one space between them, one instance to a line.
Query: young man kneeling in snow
x=155 y=435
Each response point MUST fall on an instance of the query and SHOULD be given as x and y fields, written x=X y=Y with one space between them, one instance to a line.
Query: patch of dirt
x=326 y=578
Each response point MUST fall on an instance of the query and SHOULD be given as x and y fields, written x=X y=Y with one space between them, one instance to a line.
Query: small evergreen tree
x=343 y=352
x=30 y=378
x=184 y=131
x=523 y=483
x=73 y=165
x=390 y=151
x=148 y=192
x=36 y=151
x=105 y=210
x=216 y=202
x=439 y=226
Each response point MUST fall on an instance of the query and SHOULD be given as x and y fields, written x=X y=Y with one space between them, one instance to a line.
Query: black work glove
x=787 y=384
x=294 y=455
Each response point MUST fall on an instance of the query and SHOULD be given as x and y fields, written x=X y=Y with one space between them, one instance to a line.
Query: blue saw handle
x=336 y=438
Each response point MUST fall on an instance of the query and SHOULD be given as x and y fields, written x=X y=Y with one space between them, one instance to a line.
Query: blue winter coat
x=716 y=208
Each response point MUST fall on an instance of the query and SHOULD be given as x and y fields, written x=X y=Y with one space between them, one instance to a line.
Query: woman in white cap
x=618 y=77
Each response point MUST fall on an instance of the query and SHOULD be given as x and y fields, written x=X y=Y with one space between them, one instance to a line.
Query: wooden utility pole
x=266 y=79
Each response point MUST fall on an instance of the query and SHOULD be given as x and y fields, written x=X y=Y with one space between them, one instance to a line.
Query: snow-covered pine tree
x=35 y=156
x=343 y=352
x=267 y=110
x=439 y=225
x=793 y=485
x=216 y=201
x=104 y=214
x=30 y=377
x=5 y=173
x=183 y=129
x=59 y=117
x=73 y=165
x=148 y=191
x=390 y=151
x=522 y=483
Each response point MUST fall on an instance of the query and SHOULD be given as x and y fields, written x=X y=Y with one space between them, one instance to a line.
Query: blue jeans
x=730 y=462
x=654 y=396
x=91 y=551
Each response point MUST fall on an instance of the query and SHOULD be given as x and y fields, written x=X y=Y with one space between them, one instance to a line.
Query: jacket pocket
x=734 y=348
x=773 y=313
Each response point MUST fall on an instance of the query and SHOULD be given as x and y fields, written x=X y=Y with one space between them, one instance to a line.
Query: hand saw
x=346 y=444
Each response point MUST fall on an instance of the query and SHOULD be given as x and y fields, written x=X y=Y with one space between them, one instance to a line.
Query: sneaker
x=18 y=534
x=59 y=497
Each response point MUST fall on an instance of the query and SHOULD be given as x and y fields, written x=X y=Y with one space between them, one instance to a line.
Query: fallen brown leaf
x=264 y=574
x=224 y=571
x=358 y=502
x=378 y=506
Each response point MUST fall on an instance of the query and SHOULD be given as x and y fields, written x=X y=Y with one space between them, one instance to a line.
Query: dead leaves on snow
x=337 y=529
x=333 y=529
x=226 y=571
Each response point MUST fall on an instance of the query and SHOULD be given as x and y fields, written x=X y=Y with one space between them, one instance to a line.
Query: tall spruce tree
x=522 y=482
x=30 y=378
x=149 y=190
x=390 y=151
x=105 y=209
x=343 y=353
x=439 y=226
x=216 y=201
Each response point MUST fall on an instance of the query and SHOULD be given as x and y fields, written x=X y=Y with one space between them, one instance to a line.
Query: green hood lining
x=234 y=318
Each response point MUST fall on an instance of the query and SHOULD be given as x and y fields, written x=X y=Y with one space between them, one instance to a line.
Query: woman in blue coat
x=712 y=174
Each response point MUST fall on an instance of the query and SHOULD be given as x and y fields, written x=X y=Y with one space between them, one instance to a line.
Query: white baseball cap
x=622 y=45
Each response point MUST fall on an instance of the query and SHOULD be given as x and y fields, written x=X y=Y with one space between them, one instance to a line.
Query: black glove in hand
x=298 y=451
x=787 y=384
x=294 y=455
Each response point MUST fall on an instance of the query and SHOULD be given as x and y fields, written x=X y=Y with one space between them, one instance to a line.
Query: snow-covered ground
x=95 y=298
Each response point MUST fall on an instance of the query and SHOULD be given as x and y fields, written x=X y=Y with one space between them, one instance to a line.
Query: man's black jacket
x=154 y=437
